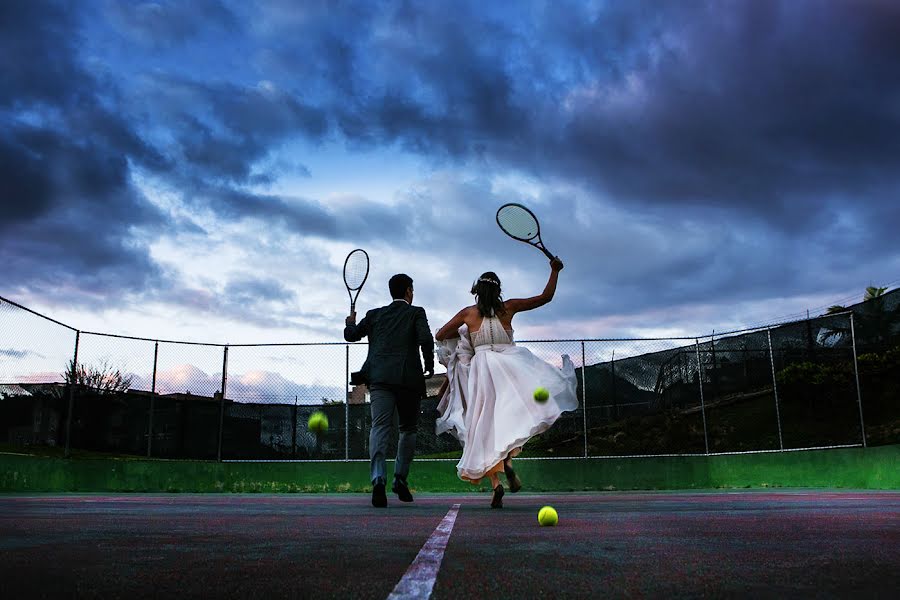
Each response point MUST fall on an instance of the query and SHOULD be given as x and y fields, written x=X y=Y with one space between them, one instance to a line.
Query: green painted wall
x=872 y=468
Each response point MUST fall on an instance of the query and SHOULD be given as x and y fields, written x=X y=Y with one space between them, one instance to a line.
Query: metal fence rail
x=775 y=388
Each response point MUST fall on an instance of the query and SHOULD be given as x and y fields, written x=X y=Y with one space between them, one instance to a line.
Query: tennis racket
x=356 y=271
x=519 y=223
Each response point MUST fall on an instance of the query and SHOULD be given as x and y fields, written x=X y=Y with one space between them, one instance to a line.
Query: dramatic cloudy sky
x=199 y=170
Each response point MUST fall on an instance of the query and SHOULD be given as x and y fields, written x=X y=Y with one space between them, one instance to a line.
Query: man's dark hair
x=398 y=284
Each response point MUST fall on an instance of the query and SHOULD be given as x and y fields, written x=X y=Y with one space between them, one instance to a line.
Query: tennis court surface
x=753 y=543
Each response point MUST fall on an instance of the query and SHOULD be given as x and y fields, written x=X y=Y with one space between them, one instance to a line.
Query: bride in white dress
x=487 y=402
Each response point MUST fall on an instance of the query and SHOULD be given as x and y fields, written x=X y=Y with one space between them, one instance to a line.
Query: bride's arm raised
x=451 y=328
x=522 y=304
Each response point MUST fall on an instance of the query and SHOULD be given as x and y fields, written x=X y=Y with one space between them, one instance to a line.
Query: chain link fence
x=827 y=381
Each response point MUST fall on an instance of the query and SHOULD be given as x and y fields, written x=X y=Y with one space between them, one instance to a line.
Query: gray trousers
x=385 y=401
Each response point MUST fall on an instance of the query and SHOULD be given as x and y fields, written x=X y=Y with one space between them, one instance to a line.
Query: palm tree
x=873 y=293
x=875 y=323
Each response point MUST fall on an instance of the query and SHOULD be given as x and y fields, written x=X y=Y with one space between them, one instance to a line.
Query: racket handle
x=547 y=253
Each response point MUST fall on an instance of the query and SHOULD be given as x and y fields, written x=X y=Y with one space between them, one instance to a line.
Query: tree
x=102 y=378
x=873 y=292
x=875 y=323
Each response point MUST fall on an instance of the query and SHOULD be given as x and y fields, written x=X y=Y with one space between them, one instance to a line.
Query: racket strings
x=356 y=269
x=517 y=222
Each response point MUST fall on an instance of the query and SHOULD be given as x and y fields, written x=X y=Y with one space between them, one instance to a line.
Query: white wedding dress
x=489 y=402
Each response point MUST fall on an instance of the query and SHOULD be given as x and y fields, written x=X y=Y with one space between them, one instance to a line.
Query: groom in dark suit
x=396 y=379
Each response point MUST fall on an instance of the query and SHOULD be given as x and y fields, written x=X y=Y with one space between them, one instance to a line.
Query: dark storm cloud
x=37 y=61
x=261 y=300
x=249 y=288
x=302 y=216
x=758 y=105
x=444 y=84
x=365 y=220
x=771 y=108
x=69 y=211
x=68 y=204
x=221 y=130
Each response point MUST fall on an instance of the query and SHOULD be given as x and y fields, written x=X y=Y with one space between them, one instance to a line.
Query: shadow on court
x=654 y=544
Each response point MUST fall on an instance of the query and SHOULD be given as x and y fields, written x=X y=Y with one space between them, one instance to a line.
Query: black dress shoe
x=497 y=498
x=402 y=490
x=379 y=498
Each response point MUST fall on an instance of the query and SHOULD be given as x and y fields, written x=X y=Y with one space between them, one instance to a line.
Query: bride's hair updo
x=486 y=290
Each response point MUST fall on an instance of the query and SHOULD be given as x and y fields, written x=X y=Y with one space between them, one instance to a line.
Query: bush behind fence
x=831 y=380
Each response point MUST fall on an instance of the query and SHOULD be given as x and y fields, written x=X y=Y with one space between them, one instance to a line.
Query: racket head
x=518 y=222
x=356 y=269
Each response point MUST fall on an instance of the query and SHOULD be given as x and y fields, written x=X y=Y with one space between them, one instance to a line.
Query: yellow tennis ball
x=541 y=395
x=547 y=516
x=318 y=423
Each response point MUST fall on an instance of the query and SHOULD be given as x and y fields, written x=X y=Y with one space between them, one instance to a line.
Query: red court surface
x=791 y=543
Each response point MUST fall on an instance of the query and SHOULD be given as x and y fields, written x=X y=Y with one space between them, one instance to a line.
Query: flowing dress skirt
x=489 y=404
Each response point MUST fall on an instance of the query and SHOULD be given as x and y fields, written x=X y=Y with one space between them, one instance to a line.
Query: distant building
x=189 y=397
x=359 y=394
x=31 y=413
x=8 y=390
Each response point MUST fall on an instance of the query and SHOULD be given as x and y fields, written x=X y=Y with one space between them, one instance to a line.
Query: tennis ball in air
x=547 y=516
x=318 y=423
x=541 y=395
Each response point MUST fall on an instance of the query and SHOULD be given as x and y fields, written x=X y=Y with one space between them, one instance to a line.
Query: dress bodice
x=491 y=332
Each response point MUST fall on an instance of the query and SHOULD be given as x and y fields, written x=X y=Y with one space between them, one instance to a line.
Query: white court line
x=418 y=581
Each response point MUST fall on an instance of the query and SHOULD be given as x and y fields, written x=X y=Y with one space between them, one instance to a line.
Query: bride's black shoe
x=497 y=498
x=515 y=484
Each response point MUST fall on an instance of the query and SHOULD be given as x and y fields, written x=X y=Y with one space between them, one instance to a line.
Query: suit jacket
x=397 y=333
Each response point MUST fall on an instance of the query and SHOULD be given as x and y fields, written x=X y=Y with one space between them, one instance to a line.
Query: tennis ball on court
x=547 y=516
x=318 y=423
x=541 y=395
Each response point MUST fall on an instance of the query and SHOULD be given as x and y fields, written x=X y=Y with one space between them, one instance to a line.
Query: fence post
x=714 y=373
x=862 y=425
x=775 y=388
x=294 y=429
x=347 y=402
x=746 y=372
x=584 y=398
x=615 y=403
x=702 y=404
x=222 y=402
x=152 y=399
x=72 y=384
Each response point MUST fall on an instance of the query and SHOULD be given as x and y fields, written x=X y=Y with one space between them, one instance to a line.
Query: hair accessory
x=487 y=280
